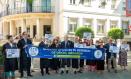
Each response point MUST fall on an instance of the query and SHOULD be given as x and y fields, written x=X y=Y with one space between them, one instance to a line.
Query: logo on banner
x=98 y=54
x=33 y=51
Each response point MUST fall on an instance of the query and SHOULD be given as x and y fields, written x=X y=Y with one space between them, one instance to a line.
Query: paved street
x=86 y=75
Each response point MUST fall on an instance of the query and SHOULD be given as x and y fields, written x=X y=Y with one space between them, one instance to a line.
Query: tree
x=116 y=33
x=79 y=32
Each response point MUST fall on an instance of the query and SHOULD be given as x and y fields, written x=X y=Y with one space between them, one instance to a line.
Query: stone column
x=23 y=25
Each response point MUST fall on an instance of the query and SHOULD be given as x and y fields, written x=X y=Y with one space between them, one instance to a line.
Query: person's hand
x=25 y=46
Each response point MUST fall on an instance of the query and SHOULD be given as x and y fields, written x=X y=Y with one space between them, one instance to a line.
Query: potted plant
x=1 y=63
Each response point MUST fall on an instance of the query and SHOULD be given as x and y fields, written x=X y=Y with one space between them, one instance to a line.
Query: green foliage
x=79 y=32
x=116 y=33
x=30 y=1
x=1 y=56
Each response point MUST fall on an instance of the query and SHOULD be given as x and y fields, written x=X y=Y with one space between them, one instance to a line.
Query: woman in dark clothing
x=44 y=62
x=100 y=63
x=9 y=63
x=55 y=62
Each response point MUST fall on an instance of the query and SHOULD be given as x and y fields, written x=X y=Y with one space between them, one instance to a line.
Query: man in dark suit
x=25 y=62
x=110 y=56
x=66 y=63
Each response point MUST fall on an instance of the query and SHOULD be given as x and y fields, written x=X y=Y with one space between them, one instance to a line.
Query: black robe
x=44 y=62
x=55 y=62
x=10 y=64
x=25 y=62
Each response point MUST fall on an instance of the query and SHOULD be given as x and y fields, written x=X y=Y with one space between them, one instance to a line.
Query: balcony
x=34 y=9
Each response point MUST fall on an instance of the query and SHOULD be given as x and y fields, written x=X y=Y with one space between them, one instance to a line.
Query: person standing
x=75 y=61
x=124 y=48
x=44 y=62
x=66 y=63
x=100 y=63
x=25 y=62
x=111 y=56
x=55 y=62
x=9 y=63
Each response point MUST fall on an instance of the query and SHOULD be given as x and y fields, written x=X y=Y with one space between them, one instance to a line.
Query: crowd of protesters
x=61 y=66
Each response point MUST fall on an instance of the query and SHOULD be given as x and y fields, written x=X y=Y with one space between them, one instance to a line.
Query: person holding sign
x=44 y=62
x=10 y=60
x=124 y=48
x=75 y=61
x=25 y=62
x=111 y=55
x=55 y=62
x=100 y=63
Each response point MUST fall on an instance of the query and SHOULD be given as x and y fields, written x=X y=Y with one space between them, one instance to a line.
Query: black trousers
x=25 y=65
x=46 y=70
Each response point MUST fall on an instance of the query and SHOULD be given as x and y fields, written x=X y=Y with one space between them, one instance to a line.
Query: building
x=61 y=17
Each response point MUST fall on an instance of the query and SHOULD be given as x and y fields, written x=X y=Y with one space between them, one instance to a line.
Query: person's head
x=58 y=38
x=91 y=41
x=55 y=41
x=84 y=40
x=10 y=38
x=77 y=39
x=80 y=41
x=101 y=42
x=97 y=42
x=124 y=42
x=110 y=40
x=65 y=37
x=25 y=35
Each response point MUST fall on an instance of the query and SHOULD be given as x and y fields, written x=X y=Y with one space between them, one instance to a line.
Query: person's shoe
x=62 y=72
x=79 y=71
x=42 y=74
x=75 y=72
x=67 y=71
x=109 y=70
x=115 y=71
x=30 y=75
x=21 y=76
x=48 y=73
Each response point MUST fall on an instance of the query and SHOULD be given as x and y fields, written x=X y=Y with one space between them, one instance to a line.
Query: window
x=88 y=23
x=100 y=29
x=85 y=2
x=113 y=4
x=102 y=4
x=72 y=2
x=72 y=25
x=113 y=24
x=125 y=28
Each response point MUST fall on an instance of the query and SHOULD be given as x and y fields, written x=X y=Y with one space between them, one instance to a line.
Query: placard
x=49 y=36
x=114 y=49
x=12 y=53
x=87 y=35
x=125 y=47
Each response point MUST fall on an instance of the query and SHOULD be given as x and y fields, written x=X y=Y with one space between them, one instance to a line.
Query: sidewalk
x=86 y=75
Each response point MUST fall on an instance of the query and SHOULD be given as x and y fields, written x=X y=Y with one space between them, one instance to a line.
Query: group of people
x=23 y=63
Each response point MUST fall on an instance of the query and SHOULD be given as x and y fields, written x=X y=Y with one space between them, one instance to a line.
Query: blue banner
x=80 y=53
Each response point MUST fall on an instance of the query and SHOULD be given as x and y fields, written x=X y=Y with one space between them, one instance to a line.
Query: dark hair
x=9 y=36
x=23 y=33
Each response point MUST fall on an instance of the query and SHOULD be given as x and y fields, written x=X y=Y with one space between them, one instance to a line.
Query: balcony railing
x=34 y=9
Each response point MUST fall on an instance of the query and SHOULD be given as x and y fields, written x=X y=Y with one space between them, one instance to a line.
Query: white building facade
x=62 y=17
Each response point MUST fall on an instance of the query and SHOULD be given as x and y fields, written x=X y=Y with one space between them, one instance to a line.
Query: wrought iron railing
x=34 y=9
